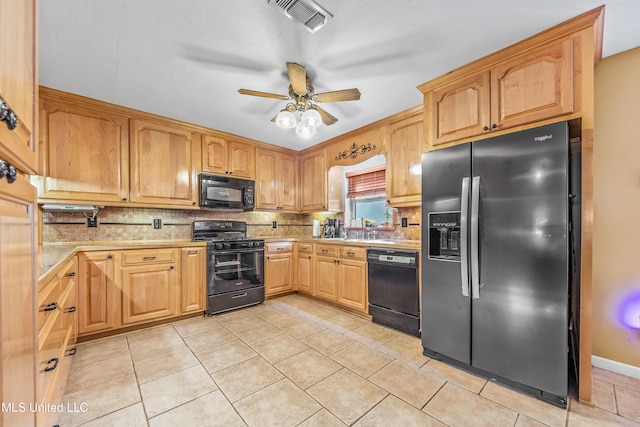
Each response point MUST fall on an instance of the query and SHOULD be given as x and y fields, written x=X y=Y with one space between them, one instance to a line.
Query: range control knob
x=250 y=244
x=218 y=245
x=227 y=245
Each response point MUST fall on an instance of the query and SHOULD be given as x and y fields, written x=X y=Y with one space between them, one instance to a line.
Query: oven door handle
x=235 y=251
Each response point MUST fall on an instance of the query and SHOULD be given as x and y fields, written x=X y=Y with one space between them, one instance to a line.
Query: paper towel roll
x=316 y=228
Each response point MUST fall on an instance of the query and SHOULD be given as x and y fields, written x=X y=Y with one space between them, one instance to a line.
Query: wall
x=616 y=235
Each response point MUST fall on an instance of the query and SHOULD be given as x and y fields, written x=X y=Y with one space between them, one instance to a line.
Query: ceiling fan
x=302 y=112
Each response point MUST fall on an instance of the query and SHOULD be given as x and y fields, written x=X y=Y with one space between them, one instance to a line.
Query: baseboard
x=617 y=367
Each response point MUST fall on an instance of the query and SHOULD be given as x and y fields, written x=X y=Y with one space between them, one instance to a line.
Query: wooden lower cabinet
x=57 y=325
x=325 y=274
x=304 y=270
x=149 y=292
x=97 y=292
x=193 y=280
x=130 y=287
x=340 y=275
x=278 y=268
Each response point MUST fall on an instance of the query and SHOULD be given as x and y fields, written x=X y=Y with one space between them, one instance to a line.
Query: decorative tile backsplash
x=137 y=224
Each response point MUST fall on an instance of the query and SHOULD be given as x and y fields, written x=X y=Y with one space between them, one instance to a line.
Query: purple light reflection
x=629 y=311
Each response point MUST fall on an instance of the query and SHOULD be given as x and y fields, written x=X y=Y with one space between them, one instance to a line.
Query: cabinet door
x=163 y=168
x=18 y=82
x=536 y=87
x=352 y=284
x=305 y=273
x=288 y=178
x=267 y=180
x=193 y=280
x=97 y=302
x=214 y=155
x=278 y=274
x=404 y=163
x=149 y=292
x=17 y=204
x=460 y=110
x=325 y=274
x=314 y=182
x=241 y=160
x=84 y=154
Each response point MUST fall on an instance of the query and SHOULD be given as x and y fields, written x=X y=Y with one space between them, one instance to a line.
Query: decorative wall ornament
x=354 y=150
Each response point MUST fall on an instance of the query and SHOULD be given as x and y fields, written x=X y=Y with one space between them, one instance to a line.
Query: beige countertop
x=51 y=255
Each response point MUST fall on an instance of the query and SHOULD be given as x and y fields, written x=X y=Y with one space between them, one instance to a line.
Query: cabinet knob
x=493 y=126
x=72 y=351
x=70 y=310
x=172 y=267
x=193 y=203
x=124 y=199
x=71 y=274
x=486 y=128
x=109 y=256
x=8 y=116
x=51 y=367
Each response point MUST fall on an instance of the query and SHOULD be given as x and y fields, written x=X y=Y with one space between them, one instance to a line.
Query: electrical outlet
x=92 y=222
x=157 y=223
x=274 y=224
x=405 y=222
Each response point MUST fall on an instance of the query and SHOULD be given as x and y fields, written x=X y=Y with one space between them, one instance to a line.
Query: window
x=366 y=196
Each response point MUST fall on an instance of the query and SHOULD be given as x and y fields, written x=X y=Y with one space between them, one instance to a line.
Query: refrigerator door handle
x=475 y=266
x=464 y=212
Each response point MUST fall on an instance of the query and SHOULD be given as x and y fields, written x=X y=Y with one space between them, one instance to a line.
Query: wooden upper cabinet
x=461 y=109
x=525 y=89
x=84 y=153
x=536 y=87
x=404 y=161
x=163 y=165
x=276 y=181
x=18 y=81
x=222 y=157
x=313 y=172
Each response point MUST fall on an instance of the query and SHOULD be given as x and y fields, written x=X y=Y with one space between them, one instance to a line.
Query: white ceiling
x=187 y=59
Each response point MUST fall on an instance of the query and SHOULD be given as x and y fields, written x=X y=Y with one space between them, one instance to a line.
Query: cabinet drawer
x=305 y=248
x=48 y=302
x=327 y=250
x=151 y=256
x=273 y=248
x=352 y=252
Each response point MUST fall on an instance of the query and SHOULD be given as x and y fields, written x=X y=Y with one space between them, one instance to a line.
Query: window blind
x=366 y=182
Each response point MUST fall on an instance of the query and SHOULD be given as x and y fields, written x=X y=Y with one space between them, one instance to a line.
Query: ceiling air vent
x=307 y=12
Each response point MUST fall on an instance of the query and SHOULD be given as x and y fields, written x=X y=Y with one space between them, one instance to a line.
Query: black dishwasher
x=394 y=298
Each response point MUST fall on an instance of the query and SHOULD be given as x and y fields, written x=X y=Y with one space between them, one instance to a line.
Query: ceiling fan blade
x=298 y=77
x=262 y=94
x=338 y=96
x=327 y=118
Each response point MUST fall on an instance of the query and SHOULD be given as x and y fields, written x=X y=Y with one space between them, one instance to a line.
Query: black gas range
x=235 y=265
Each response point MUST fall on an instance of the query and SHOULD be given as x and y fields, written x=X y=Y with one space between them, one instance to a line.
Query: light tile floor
x=294 y=361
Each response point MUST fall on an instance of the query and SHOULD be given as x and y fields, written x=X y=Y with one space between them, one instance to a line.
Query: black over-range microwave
x=230 y=194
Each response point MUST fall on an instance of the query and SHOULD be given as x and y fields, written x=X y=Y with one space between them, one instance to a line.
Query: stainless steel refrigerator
x=497 y=257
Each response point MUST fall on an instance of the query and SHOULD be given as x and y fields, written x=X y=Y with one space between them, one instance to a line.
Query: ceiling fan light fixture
x=305 y=131
x=311 y=118
x=286 y=119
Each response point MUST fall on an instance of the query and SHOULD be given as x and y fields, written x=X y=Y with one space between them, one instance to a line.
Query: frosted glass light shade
x=305 y=131
x=286 y=119
x=311 y=117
